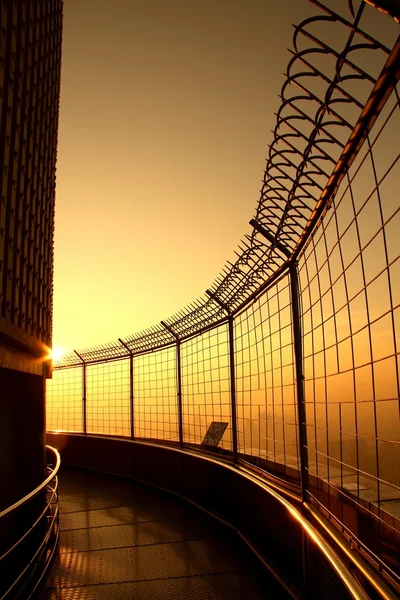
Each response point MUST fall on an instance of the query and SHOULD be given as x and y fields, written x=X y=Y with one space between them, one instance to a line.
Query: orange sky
x=165 y=119
x=166 y=115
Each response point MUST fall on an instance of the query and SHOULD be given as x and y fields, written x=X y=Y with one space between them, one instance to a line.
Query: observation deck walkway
x=122 y=540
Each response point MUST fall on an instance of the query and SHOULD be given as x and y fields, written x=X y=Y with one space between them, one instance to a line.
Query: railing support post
x=298 y=357
x=233 y=388
x=179 y=390
x=83 y=392
x=231 y=339
x=178 y=381
x=131 y=392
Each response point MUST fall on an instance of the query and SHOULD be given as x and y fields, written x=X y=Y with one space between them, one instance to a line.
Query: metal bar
x=179 y=391
x=32 y=527
x=218 y=301
x=84 y=400
x=232 y=374
x=381 y=91
x=84 y=391
x=346 y=549
x=298 y=356
x=233 y=389
x=270 y=237
x=178 y=380
x=131 y=394
x=34 y=557
x=389 y=7
x=39 y=488
x=168 y=328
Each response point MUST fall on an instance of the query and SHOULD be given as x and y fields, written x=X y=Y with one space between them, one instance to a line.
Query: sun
x=56 y=353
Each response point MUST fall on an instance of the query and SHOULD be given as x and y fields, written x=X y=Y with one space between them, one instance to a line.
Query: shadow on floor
x=121 y=540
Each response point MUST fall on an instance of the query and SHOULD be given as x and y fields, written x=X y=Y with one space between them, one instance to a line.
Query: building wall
x=30 y=63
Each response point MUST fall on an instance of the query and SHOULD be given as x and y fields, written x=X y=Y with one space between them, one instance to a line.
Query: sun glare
x=56 y=353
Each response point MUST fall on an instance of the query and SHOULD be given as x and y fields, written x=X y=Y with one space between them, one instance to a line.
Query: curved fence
x=29 y=534
x=290 y=362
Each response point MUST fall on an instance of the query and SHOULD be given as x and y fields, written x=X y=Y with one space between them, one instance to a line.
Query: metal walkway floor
x=121 y=541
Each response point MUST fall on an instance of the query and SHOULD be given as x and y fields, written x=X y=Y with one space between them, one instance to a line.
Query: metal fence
x=290 y=362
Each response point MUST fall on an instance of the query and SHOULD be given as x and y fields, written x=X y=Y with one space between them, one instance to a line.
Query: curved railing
x=290 y=363
x=297 y=546
x=30 y=530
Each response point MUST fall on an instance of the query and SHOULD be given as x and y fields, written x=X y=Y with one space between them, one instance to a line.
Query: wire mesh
x=102 y=352
x=206 y=386
x=266 y=400
x=64 y=400
x=108 y=398
x=349 y=276
x=155 y=391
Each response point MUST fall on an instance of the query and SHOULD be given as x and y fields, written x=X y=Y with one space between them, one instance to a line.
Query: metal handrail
x=349 y=582
x=51 y=511
x=39 y=488
x=379 y=585
x=42 y=514
x=285 y=499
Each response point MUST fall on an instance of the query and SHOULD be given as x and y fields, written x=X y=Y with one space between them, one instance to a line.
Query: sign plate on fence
x=214 y=433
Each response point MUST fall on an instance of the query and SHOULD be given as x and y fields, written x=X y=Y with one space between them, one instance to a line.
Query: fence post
x=178 y=380
x=131 y=395
x=298 y=357
x=298 y=351
x=231 y=341
x=233 y=389
x=179 y=390
x=84 y=391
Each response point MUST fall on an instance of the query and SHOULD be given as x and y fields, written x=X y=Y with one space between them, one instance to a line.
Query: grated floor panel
x=121 y=540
